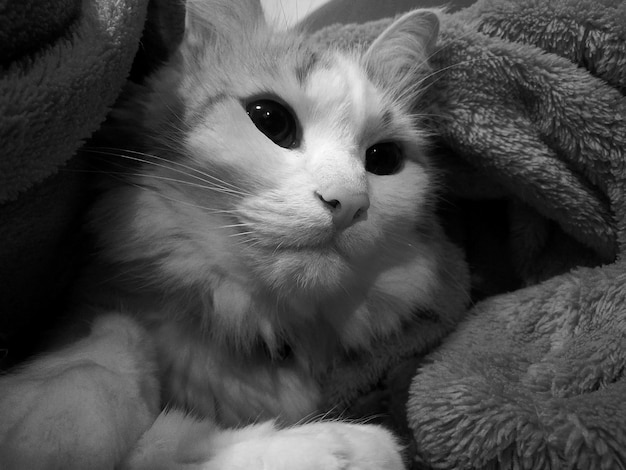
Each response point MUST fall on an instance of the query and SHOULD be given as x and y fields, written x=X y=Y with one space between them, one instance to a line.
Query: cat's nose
x=346 y=207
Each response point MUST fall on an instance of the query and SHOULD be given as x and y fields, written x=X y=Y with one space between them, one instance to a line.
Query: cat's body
x=280 y=214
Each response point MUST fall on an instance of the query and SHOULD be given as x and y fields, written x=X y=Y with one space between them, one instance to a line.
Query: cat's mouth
x=322 y=243
x=285 y=232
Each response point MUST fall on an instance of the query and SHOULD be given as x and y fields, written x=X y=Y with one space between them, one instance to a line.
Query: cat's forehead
x=327 y=89
x=341 y=96
x=342 y=85
x=288 y=65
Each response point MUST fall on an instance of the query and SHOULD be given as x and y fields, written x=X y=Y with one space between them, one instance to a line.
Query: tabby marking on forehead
x=343 y=93
x=305 y=67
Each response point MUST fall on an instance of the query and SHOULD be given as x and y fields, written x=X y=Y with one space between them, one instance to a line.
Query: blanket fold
x=66 y=85
x=534 y=378
x=62 y=66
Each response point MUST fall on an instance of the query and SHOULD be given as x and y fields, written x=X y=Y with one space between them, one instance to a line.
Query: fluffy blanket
x=63 y=65
x=527 y=107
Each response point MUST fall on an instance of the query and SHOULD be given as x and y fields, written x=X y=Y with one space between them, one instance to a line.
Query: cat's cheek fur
x=287 y=216
x=404 y=199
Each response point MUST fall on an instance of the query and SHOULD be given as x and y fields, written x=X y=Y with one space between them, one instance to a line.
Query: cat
x=277 y=214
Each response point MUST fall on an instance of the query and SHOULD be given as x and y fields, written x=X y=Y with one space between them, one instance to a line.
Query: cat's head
x=296 y=167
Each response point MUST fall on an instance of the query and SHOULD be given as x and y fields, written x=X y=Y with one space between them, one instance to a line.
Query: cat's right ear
x=219 y=25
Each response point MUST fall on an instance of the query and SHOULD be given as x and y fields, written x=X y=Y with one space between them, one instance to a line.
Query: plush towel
x=59 y=81
x=527 y=107
x=63 y=63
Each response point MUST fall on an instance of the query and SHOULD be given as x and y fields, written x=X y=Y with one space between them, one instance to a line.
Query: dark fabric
x=65 y=64
x=28 y=25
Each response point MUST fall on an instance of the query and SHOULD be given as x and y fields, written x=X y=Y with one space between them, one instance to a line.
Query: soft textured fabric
x=526 y=104
x=63 y=63
x=55 y=95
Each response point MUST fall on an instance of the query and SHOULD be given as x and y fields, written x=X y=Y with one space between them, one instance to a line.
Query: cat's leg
x=82 y=406
x=177 y=442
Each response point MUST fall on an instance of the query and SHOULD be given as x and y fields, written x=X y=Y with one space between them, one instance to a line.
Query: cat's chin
x=308 y=271
x=280 y=235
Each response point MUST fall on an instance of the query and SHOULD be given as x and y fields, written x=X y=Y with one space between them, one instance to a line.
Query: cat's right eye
x=275 y=121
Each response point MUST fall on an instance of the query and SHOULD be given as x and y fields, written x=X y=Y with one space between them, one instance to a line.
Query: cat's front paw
x=177 y=441
x=324 y=445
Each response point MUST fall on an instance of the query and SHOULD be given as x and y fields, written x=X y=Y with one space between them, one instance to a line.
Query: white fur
x=330 y=445
x=223 y=249
x=80 y=407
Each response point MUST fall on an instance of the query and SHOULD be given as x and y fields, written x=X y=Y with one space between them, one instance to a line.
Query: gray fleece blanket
x=527 y=107
x=62 y=66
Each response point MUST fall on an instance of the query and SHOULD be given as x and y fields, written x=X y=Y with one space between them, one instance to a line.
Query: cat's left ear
x=403 y=47
x=220 y=24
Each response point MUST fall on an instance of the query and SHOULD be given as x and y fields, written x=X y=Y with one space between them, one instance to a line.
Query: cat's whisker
x=236 y=225
x=216 y=189
x=175 y=114
x=278 y=247
x=461 y=287
x=283 y=18
x=252 y=241
x=183 y=182
x=240 y=234
x=168 y=164
x=314 y=417
x=440 y=71
x=256 y=243
x=439 y=50
x=210 y=210
x=420 y=87
x=207 y=184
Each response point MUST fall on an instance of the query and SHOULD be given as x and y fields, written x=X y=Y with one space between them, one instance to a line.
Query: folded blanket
x=526 y=105
x=63 y=65
x=65 y=62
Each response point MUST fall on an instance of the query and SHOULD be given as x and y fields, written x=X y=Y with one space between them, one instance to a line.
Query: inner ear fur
x=411 y=37
x=400 y=53
x=219 y=24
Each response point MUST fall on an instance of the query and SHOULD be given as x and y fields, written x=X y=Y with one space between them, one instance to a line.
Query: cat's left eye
x=384 y=158
x=275 y=121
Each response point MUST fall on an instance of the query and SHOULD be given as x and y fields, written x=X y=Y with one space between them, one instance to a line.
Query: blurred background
x=284 y=13
x=288 y=12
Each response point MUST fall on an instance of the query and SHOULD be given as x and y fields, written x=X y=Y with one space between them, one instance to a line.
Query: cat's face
x=301 y=170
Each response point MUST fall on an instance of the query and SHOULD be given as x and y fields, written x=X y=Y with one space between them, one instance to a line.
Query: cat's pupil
x=274 y=120
x=384 y=158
